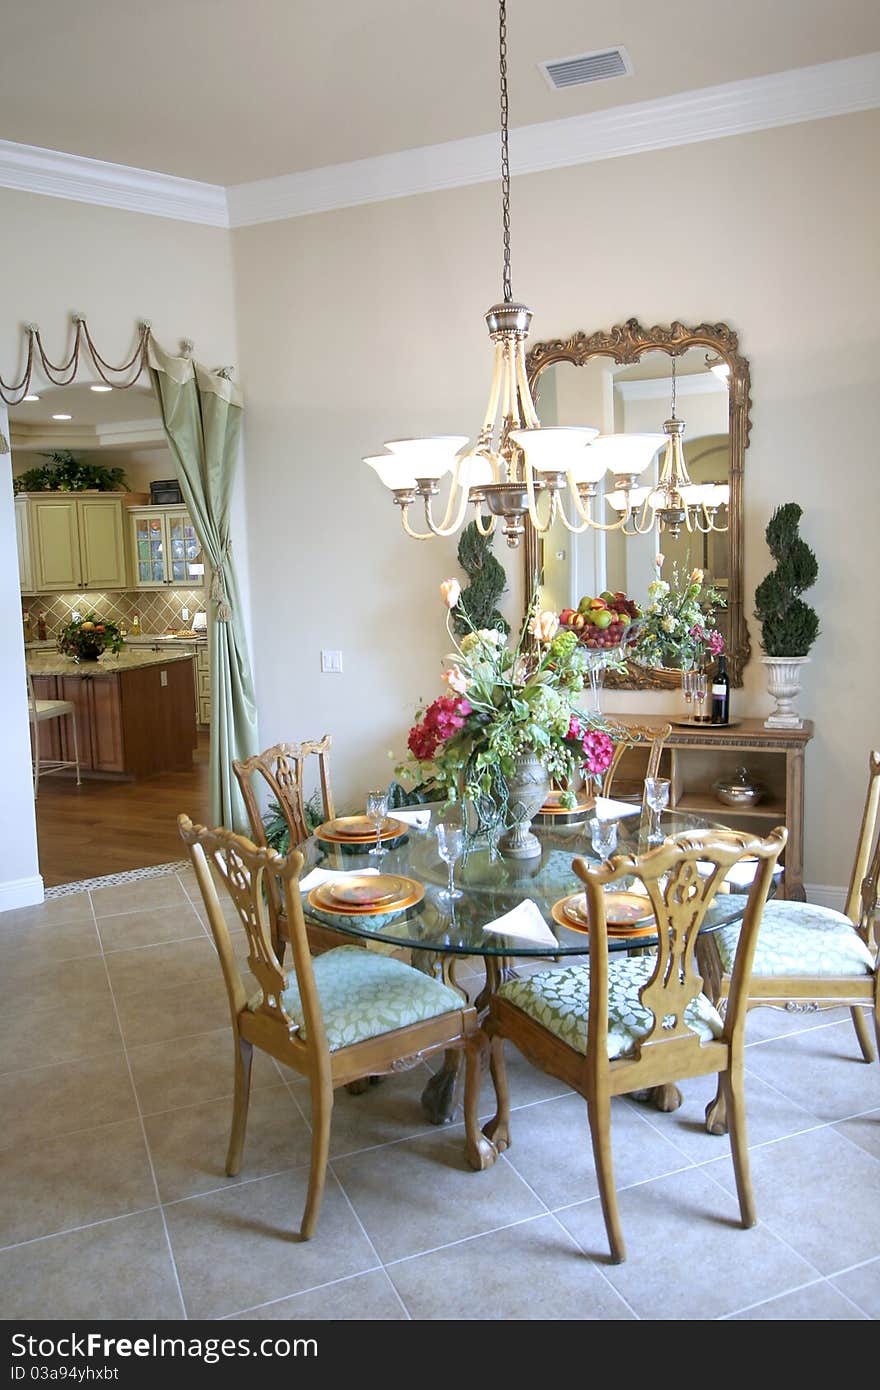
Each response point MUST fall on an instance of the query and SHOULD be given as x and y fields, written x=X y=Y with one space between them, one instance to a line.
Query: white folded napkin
x=524 y=922
x=606 y=809
x=419 y=816
x=319 y=876
x=742 y=875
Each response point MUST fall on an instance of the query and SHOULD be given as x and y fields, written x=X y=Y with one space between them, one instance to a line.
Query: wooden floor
x=104 y=827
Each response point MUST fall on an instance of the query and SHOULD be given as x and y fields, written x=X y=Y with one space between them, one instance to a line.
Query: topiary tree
x=789 y=627
x=487 y=584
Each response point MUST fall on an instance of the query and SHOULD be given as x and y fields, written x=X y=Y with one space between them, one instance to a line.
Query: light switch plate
x=331 y=662
x=184 y=613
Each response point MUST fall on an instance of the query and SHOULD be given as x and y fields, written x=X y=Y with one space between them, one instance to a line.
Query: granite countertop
x=197 y=639
x=47 y=663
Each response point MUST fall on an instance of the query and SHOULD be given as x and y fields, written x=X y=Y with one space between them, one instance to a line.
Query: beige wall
x=365 y=324
x=115 y=267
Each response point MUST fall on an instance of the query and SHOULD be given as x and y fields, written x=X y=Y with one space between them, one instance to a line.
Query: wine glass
x=603 y=834
x=657 y=797
x=377 y=810
x=701 y=690
x=450 y=842
x=687 y=689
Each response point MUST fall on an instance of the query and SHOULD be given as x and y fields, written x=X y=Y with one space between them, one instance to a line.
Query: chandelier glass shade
x=523 y=474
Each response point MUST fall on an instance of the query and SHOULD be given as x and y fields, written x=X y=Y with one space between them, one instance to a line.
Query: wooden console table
x=693 y=759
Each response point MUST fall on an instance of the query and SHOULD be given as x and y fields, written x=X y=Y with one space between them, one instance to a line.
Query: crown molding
x=657 y=388
x=29 y=169
x=710 y=113
x=128 y=434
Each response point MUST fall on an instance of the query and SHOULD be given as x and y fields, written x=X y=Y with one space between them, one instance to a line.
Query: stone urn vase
x=527 y=789
x=784 y=684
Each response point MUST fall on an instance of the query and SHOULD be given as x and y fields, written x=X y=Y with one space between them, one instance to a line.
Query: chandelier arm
x=415 y=535
x=529 y=479
x=642 y=525
x=446 y=528
x=570 y=525
x=512 y=385
x=719 y=530
x=494 y=393
x=478 y=522
x=586 y=513
x=454 y=487
x=531 y=415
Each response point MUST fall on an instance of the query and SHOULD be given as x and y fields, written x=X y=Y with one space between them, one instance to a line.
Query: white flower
x=668 y=624
x=659 y=561
x=544 y=626
x=696 y=576
x=450 y=591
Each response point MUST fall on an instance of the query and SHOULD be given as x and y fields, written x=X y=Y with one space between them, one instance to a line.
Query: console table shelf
x=695 y=757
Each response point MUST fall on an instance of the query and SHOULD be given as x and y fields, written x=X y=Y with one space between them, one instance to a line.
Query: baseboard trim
x=21 y=892
x=826 y=895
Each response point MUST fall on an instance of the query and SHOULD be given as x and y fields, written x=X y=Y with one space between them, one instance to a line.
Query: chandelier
x=524 y=474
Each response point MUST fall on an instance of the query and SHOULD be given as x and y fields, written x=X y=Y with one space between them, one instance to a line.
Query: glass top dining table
x=493 y=885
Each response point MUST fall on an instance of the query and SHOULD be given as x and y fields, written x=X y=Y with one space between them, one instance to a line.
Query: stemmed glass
x=450 y=842
x=657 y=797
x=603 y=834
x=687 y=689
x=377 y=810
x=701 y=690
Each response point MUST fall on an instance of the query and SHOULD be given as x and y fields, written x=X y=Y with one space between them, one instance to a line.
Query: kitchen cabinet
x=132 y=722
x=76 y=543
x=201 y=667
x=164 y=548
x=23 y=544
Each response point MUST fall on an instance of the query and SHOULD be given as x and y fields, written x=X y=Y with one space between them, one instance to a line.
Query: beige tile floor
x=115 y=1097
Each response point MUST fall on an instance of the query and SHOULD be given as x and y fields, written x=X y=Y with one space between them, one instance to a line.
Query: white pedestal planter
x=784 y=683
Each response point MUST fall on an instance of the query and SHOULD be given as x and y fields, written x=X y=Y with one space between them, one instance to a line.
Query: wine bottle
x=720 y=693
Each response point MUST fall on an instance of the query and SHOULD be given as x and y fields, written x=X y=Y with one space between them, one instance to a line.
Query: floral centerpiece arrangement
x=86 y=638
x=505 y=707
x=679 y=626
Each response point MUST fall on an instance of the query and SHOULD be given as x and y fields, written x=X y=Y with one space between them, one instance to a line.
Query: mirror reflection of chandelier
x=524 y=474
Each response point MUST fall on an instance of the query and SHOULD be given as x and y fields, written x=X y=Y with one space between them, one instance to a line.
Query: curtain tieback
x=218 y=585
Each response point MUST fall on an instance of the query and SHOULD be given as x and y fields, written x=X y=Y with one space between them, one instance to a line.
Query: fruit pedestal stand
x=606 y=628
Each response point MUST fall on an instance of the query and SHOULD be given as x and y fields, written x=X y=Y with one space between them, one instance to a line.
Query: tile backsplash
x=158 y=609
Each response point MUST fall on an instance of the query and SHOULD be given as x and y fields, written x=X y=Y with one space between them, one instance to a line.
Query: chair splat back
x=626 y=737
x=680 y=895
x=861 y=902
x=282 y=769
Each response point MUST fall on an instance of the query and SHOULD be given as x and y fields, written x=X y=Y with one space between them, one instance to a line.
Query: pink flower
x=698 y=632
x=716 y=643
x=659 y=561
x=575 y=732
x=599 y=751
x=456 y=680
x=544 y=626
x=450 y=591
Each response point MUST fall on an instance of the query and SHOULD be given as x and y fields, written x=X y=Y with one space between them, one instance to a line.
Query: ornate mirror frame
x=626 y=343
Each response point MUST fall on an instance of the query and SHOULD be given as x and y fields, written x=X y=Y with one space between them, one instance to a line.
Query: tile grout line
x=762 y=1302
x=313 y=1288
x=367 y=1238
x=140 y=1116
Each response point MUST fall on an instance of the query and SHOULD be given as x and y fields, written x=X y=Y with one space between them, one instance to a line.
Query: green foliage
x=65 y=473
x=275 y=826
x=789 y=627
x=88 y=637
x=476 y=607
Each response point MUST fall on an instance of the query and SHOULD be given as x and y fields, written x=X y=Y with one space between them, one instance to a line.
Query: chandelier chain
x=673 y=388
x=505 y=155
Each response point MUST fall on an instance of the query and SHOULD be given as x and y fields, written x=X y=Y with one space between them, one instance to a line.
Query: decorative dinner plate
x=366 y=890
x=628 y=914
x=553 y=806
x=359 y=830
x=409 y=893
x=704 y=724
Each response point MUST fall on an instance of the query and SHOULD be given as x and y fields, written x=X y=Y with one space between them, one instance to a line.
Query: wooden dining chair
x=334 y=1018
x=614 y=1026
x=813 y=956
x=281 y=769
x=627 y=737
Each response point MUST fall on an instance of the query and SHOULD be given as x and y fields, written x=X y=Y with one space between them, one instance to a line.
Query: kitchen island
x=135 y=712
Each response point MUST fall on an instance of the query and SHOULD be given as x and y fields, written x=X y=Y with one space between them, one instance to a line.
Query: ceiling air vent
x=587 y=67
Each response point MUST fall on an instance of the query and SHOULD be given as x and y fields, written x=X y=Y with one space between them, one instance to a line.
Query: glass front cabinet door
x=166 y=550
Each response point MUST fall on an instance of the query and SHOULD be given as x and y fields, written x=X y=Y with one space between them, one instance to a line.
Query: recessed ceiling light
x=62 y=417
x=30 y=398
x=100 y=388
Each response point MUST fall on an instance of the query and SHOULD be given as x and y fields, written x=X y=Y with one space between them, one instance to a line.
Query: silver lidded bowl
x=739 y=790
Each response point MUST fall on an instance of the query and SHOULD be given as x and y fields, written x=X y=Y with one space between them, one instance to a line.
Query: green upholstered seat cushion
x=364 y=994
x=801 y=939
x=560 y=1001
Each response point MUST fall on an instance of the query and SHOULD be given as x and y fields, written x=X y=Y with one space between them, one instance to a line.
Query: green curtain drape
x=201 y=413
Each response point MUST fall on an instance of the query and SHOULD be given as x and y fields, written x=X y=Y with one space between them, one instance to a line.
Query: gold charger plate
x=363 y=890
x=354 y=830
x=410 y=893
x=553 y=805
x=628 y=914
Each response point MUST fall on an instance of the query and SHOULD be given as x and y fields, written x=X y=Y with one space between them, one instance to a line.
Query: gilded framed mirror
x=621 y=380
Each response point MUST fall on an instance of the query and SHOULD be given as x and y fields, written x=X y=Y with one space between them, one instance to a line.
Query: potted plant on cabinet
x=789 y=627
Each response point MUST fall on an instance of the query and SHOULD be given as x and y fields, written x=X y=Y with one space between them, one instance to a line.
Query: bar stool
x=39 y=712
